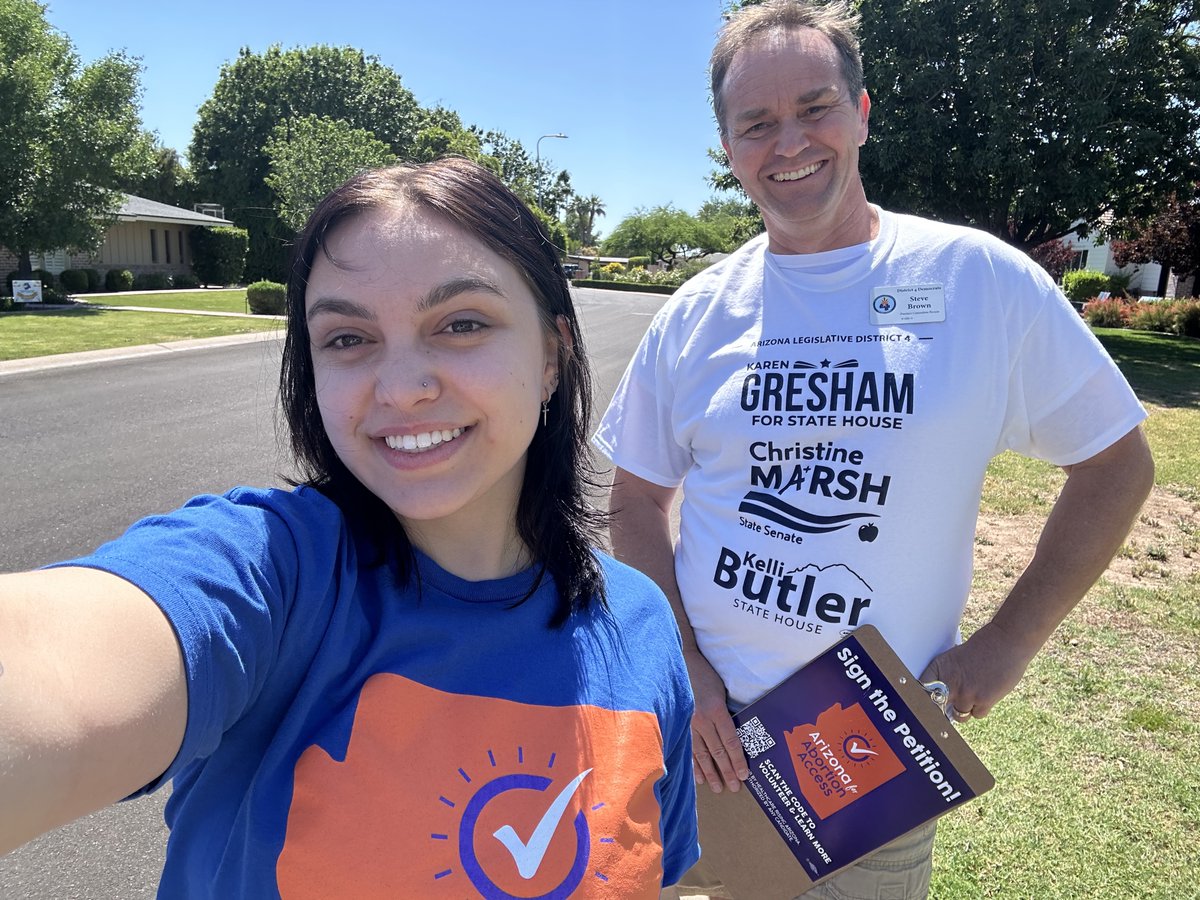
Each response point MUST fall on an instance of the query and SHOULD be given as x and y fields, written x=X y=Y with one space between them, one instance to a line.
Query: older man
x=828 y=399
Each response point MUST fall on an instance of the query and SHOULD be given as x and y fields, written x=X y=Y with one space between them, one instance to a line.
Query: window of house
x=153 y=246
x=179 y=234
x=167 y=244
x=1079 y=261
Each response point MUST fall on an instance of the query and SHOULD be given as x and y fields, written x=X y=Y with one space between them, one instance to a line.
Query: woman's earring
x=545 y=412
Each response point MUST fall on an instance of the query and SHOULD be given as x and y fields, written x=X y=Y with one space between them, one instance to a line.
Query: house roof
x=139 y=209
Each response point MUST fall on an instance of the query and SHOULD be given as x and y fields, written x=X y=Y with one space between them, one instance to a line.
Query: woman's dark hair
x=554 y=517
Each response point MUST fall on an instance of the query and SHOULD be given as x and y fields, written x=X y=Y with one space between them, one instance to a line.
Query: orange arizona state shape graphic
x=446 y=795
x=840 y=758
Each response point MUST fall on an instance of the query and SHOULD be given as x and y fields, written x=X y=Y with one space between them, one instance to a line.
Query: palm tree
x=594 y=207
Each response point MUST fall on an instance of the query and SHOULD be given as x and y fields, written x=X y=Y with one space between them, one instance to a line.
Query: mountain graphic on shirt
x=834 y=570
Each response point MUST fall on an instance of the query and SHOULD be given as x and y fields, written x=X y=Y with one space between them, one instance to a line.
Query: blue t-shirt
x=348 y=736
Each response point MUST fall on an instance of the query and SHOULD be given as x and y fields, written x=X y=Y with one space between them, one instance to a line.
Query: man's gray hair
x=836 y=20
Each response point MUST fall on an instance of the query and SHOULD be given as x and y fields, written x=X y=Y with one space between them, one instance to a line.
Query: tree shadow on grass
x=1163 y=369
x=68 y=311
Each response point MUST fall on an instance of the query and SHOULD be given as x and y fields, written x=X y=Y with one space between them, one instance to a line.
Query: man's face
x=792 y=133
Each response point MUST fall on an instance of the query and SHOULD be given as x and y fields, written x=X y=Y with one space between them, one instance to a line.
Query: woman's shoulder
x=303 y=508
x=242 y=523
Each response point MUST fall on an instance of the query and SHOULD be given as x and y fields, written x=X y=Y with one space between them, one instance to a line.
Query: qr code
x=754 y=737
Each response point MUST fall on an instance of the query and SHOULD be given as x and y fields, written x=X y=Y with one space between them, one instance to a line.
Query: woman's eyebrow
x=455 y=286
x=338 y=307
x=341 y=307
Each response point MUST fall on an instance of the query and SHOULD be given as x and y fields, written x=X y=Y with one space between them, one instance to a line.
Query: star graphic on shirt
x=824 y=364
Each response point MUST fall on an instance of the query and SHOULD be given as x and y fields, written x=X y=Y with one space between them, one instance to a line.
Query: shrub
x=48 y=279
x=151 y=281
x=219 y=254
x=635 y=261
x=95 y=281
x=185 y=280
x=266 y=298
x=1187 y=318
x=1154 y=316
x=1084 y=284
x=73 y=281
x=1110 y=313
x=118 y=280
x=1118 y=284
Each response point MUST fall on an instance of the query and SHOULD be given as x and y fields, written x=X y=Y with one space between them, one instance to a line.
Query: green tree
x=735 y=219
x=556 y=194
x=69 y=136
x=582 y=213
x=1023 y=119
x=533 y=180
x=1026 y=119
x=512 y=162
x=665 y=234
x=259 y=91
x=310 y=156
x=168 y=181
x=442 y=134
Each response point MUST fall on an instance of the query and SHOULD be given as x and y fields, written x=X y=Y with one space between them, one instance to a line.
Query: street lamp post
x=537 y=161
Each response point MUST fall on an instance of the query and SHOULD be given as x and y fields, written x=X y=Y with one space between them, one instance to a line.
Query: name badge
x=908 y=304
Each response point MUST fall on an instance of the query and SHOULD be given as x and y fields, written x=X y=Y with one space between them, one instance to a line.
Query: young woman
x=411 y=676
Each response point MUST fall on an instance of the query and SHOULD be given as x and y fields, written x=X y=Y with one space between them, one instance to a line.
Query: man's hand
x=717 y=755
x=641 y=537
x=979 y=672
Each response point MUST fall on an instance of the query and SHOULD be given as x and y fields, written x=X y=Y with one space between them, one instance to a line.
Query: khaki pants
x=897 y=871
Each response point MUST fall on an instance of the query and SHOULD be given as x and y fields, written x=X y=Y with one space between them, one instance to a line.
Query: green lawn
x=223 y=300
x=28 y=334
x=1097 y=776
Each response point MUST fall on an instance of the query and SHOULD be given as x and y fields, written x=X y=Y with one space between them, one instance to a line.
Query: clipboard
x=846 y=755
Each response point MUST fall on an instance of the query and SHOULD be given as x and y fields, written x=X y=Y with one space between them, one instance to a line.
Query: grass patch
x=1174 y=434
x=227 y=300
x=1097 y=779
x=1017 y=485
x=28 y=334
x=1163 y=369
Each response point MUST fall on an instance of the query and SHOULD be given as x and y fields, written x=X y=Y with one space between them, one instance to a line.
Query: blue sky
x=624 y=80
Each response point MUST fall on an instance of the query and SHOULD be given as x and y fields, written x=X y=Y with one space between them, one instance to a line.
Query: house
x=583 y=264
x=148 y=236
x=1149 y=280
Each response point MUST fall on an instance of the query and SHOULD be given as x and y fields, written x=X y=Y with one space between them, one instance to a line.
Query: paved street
x=89 y=448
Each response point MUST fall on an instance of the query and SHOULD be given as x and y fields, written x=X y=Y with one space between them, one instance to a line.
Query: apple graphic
x=868 y=532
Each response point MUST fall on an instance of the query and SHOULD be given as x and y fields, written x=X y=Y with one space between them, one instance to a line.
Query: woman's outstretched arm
x=93 y=697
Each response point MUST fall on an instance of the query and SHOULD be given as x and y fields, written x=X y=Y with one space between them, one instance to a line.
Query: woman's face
x=430 y=364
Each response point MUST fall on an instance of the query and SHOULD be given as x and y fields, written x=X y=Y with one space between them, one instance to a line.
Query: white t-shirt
x=830 y=417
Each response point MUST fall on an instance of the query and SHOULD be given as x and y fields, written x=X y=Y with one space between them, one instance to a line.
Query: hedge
x=267 y=298
x=219 y=254
x=609 y=285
